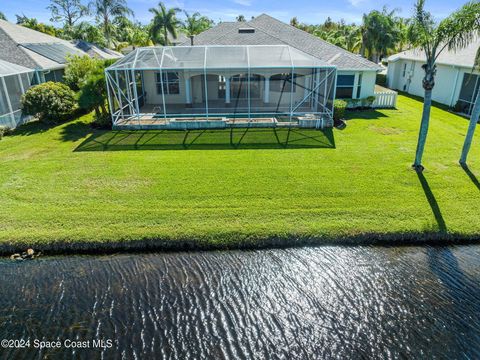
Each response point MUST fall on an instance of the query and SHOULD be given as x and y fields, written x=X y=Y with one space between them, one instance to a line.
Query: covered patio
x=201 y=87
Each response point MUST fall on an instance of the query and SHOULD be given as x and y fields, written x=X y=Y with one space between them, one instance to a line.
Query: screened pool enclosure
x=200 y=87
x=14 y=81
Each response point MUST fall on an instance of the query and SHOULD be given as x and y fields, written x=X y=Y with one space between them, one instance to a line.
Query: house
x=220 y=86
x=238 y=74
x=355 y=75
x=14 y=81
x=456 y=84
x=44 y=53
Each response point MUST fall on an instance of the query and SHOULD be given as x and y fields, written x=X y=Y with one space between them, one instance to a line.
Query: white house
x=456 y=84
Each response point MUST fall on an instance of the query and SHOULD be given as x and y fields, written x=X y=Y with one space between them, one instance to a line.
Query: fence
x=385 y=99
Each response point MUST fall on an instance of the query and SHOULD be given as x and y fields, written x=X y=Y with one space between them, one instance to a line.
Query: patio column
x=188 y=90
x=227 y=90
x=266 y=90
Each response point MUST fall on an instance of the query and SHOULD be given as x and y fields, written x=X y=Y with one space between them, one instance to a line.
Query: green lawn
x=71 y=184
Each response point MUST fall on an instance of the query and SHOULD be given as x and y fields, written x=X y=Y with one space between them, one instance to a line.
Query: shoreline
x=185 y=245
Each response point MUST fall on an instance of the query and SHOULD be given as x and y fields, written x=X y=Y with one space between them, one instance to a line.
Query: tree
x=78 y=69
x=241 y=18
x=67 y=11
x=164 y=22
x=454 y=32
x=474 y=118
x=33 y=24
x=93 y=95
x=195 y=24
x=106 y=11
x=294 y=22
x=380 y=33
x=131 y=33
x=2 y=16
x=88 y=32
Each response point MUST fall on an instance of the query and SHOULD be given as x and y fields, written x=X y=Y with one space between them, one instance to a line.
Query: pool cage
x=15 y=80
x=202 y=87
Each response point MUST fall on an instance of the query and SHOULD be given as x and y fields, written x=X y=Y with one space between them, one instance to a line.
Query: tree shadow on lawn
x=252 y=138
x=371 y=114
x=72 y=130
x=432 y=201
x=471 y=175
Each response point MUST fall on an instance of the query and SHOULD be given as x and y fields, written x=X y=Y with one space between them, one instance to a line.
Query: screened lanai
x=220 y=86
x=14 y=81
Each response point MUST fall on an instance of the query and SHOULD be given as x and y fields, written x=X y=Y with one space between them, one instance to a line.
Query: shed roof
x=218 y=57
x=463 y=57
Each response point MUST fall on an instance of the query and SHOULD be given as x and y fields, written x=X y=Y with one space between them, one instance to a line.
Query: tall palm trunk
x=471 y=129
x=428 y=84
x=165 y=34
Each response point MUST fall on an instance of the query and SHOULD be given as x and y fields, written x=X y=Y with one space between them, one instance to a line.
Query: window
x=404 y=70
x=345 y=86
x=283 y=83
x=468 y=93
x=171 y=83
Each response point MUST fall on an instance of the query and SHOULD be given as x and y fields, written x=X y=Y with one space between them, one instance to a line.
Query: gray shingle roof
x=12 y=36
x=270 y=31
x=463 y=57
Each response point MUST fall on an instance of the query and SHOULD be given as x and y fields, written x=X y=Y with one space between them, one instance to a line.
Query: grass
x=71 y=187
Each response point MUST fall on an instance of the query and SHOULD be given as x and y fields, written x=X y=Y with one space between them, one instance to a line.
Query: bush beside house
x=50 y=102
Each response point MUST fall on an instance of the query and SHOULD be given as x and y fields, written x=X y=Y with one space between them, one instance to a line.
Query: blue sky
x=308 y=11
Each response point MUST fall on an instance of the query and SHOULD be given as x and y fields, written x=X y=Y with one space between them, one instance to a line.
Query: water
x=304 y=303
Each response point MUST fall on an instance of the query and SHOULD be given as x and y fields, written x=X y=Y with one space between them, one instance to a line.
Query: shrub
x=79 y=69
x=102 y=121
x=93 y=95
x=4 y=131
x=339 y=107
x=49 y=101
x=368 y=101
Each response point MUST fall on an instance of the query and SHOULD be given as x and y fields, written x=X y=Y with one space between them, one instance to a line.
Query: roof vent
x=246 y=30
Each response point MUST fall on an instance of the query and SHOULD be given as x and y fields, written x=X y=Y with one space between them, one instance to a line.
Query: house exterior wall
x=198 y=87
x=448 y=80
x=363 y=79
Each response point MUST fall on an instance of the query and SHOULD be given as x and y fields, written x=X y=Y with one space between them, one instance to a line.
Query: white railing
x=385 y=99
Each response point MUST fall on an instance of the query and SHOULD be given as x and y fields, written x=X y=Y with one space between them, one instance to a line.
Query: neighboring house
x=96 y=51
x=456 y=84
x=44 y=53
x=355 y=75
x=14 y=81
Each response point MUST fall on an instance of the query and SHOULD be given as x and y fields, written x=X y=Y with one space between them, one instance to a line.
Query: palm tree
x=106 y=11
x=195 y=24
x=474 y=118
x=2 y=16
x=454 y=32
x=164 y=22
x=241 y=18
x=380 y=33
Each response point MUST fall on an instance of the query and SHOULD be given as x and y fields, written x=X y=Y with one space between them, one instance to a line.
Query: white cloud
x=356 y=3
x=243 y=2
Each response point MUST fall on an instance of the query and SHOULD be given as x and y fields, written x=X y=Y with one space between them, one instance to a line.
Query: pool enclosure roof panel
x=217 y=57
x=7 y=68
